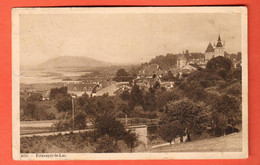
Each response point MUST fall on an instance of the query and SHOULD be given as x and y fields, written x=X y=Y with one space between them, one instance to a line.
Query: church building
x=214 y=51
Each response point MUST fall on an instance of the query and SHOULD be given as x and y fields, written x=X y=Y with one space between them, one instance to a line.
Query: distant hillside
x=73 y=62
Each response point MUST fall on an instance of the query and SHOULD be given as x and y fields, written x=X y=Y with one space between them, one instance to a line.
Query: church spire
x=219 y=40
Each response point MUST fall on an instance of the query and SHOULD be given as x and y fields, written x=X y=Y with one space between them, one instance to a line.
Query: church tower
x=209 y=53
x=182 y=59
x=219 y=49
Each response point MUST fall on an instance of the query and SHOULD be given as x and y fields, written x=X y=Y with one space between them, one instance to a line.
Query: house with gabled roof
x=150 y=71
x=80 y=88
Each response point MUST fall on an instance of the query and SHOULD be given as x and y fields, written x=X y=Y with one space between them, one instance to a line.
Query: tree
x=64 y=105
x=138 y=111
x=35 y=97
x=108 y=125
x=121 y=72
x=80 y=120
x=106 y=144
x=190 y=115
x=58 y=93
x=123 y=76
x=82 y=99
x=125 y=95
x=122 y=107
x=149 y=100
x=163 y=97
x=136 y=96
x=29 y=110
x=193 y=90
x=226 y=111
x=219 y=63
x=171 y=130
x=130 y=139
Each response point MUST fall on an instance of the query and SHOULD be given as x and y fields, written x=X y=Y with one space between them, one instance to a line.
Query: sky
x=124 y=38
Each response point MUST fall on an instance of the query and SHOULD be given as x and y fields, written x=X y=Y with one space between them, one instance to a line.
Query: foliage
x=79 y=142
x=130 y=139
x=64 y=105
x=121 y=72
x=149 y=100
x=193 y=90
x=163 y=97
x=136 y=96
x=30 y=109
x=219 y=63
x=106 y=144
x=122 y=76
x=165 y=62
x=171 y=130
x=122 y=107
x=35 y=97
x=226 y=111
x=80 y=120
x=107 y=124
x=36 y=110
x=62 y=125
x=58 y=93
x=125 y=95
x=82 y=99
x=190 y=115
x=169 y=77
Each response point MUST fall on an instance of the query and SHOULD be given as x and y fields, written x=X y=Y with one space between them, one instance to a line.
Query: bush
x=80 y=120
x=62 y=125
x=106 y=144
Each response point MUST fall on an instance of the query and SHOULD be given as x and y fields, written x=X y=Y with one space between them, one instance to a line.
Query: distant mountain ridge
x=73 y=61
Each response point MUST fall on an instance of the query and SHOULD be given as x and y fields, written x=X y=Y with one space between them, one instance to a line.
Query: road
x=37 y=124
x=55 y=133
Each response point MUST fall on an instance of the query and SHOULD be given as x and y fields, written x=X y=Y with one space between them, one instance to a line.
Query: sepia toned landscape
x=130 y=83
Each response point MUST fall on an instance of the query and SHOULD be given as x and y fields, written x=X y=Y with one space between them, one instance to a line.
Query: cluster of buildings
x=186 y=63
x=153 y=74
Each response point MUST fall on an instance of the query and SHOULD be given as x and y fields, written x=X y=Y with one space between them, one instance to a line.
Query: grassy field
x=228 y=143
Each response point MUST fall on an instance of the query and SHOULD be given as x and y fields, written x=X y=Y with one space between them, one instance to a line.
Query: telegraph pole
x=73 y=111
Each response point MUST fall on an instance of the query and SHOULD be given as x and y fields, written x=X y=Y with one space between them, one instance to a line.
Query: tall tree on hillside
x=150 y=100
x=219 y=63
x=171 y=130
x=189 y=114
x=226 y=111
x=136 y=96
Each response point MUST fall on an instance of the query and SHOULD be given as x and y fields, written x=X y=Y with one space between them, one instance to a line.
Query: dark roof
x=219 y=44
x=219 y=38
x=210 y=48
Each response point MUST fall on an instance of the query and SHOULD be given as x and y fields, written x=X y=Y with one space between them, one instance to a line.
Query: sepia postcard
x=131 y=83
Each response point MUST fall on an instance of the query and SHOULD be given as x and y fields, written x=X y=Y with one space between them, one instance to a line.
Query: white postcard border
x=124 y=156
